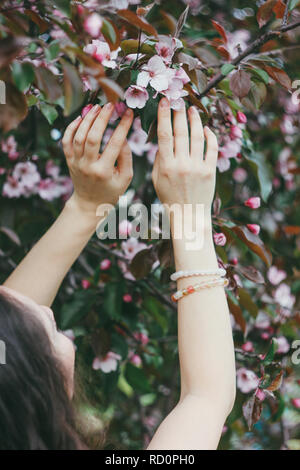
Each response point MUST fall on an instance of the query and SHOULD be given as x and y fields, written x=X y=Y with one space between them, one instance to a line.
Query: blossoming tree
x=239 y=66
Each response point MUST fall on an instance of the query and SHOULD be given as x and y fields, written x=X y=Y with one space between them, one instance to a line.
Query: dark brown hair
x=35 y=410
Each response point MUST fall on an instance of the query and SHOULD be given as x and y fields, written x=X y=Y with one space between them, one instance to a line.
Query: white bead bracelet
x=215 y=272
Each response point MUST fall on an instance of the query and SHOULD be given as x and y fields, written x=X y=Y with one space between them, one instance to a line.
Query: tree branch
x=249 y=50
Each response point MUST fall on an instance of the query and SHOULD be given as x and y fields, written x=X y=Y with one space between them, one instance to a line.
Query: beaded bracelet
x=180 y=274
x=204 y=285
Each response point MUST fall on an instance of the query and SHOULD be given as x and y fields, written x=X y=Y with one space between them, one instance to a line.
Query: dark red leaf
x=280 y=76
x=254 y=243
x=265 y=12
x=138 y=22
x=252 y=411
x=220 y=30
x=240 y=83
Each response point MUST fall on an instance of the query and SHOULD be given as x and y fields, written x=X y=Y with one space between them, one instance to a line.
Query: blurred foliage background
x=242 y=61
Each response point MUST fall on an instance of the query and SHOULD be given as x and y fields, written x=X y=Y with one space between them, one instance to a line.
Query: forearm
x=42 y=271
x=206 y=350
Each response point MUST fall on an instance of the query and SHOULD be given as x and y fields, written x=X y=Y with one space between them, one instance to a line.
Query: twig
x=248 y=51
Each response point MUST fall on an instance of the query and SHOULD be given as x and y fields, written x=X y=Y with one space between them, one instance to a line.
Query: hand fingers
x=125 y=161
x=67 y=141
x=115 y=144
x=82 y=131
x=164 y=130
x=197 y=135
x=211 y=155
x=95 y=134
x=181 y=134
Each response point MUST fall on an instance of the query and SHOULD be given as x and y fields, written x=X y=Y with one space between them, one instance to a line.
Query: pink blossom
x=85 y=284
x=284 y=297
x=240 y=175
x=223 y=162
x=166 y=47
x=105 y=264
x=52 y=169
x=254 y=228
x=230 y=148
x=138 y=139
x=108 y=363
x=136 y=97
x=262 y=321
x=175 y=92
x=283 y=345
x=220 y=239
x=135 y=359
x=181 y=74
x=9 y=146
x=156 y=73
x=131 y=247
x=253 y=202
x=2 y=170
x=265 y=336
x=141 y=337
x=27 y=174
x=85 y=110
x=247 y=380
x=236 y=40
x=165 y=51
x=296 y=402
x=93 y=24
x=260 y=394
x=127 y=298
x=276 y=275
x=248 y=347
x=100 y=51
x=48 y=189
x=236 y=132
x=241 y=117
x=12 y=188
x=125 y=228
x=118 y=112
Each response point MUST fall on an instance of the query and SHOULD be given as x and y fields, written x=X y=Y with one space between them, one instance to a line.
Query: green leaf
x=263 y=173
x=227 y=68
x=262 y=74
x=49 y=112
x=271 y=352
x=52 y=51
x=23 y=75
x=293 y=4
x=72 y=312
x=64 y=6
x=137 y=379
x=112 y=303
x=149 y=113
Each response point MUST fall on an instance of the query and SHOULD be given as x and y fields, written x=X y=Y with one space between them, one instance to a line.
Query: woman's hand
x=181 y=174
x=95 y=177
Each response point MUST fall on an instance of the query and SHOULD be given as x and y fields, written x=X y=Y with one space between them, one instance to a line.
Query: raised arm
x=182 y=175
x=96 y=181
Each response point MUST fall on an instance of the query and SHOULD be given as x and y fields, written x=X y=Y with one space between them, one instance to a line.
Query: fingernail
x=128 y=112
x=193 y=109
x=109 y=106
x=77 y=119
x=164 y=103
x=96 y=107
